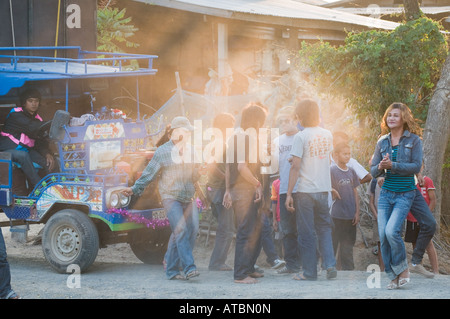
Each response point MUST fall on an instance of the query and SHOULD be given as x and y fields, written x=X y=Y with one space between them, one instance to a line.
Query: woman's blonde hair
x=409 y=122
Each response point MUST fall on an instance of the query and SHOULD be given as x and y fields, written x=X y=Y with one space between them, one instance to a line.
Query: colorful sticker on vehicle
x=89 y=195
x=104 y=131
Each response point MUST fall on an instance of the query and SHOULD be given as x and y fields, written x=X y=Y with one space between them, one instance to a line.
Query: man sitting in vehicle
x=21 y=136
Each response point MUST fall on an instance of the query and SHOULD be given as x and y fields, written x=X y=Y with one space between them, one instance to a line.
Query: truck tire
x=150 y=249
x=70 y=237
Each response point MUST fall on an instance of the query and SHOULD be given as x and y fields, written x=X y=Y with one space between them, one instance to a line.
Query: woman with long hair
x=398 y=155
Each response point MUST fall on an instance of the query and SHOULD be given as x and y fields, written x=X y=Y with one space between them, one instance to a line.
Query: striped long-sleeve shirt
x=175 y=180
x=396 y=182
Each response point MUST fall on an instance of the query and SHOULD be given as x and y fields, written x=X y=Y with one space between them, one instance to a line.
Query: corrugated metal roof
x=314 y=2
x=394 y=10
x=337 y=3
x=364 y=3
x=284 y=12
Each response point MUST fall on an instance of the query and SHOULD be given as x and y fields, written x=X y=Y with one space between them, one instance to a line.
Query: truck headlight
x=115 y=199
x=124 y=200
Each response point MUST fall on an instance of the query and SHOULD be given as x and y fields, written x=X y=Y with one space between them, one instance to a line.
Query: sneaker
x=331 y=273
x=277 y=263
x=419 y=269
x=285 y=270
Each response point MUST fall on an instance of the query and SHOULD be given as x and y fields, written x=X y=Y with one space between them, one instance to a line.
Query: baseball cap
x=181 y=122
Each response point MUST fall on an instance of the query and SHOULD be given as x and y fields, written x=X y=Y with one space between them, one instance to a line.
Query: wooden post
x=180 y=92
x=222 y=49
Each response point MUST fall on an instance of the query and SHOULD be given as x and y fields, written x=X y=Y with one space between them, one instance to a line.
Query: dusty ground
x=117 y=273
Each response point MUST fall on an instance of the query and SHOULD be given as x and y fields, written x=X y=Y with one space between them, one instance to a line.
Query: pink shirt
x=424 y=191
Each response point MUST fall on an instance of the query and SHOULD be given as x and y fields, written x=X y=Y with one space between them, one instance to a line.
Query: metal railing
x=117 y=59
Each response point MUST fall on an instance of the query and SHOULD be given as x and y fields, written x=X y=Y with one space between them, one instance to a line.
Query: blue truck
x=81 y=205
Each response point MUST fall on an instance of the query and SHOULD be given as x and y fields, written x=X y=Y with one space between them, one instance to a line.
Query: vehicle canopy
x=19 y=65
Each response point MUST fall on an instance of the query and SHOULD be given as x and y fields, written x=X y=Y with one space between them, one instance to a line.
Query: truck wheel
x=70 y=237
x=150 y=250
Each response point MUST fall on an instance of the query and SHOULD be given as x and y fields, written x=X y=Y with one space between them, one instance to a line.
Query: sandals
x=398 y=282
x=192 y=274
x=256 y=274
x=246 y=280
x=392 y=285
x=12 y=295
x=178 y=277
x=402 y=281
x=299 y=277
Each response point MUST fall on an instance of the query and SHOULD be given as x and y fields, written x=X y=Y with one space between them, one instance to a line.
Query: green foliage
x=375 y=68
x=113 y=30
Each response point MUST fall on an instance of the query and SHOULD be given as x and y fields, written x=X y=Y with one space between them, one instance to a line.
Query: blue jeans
x=267 y=240
x=248 y=232
x=5 y=274
x=392 y=211
x=314 y=227
x=224 y=232
x=26 y=159
x=425 y=218
x=192 y=238
x=288 y=227
x=184 y=225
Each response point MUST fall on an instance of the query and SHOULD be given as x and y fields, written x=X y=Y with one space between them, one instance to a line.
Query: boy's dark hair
x=341 y=134
x=253 y=115
x=223 y=121
x=307 y=111
x=29 y=93
x=340 y=147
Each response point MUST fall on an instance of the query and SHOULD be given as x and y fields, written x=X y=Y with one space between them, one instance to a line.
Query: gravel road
x=117 y=273
x=32 y=278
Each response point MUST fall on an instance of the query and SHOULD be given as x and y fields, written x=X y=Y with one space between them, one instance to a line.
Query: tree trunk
x=437 y=133
x=412 y=9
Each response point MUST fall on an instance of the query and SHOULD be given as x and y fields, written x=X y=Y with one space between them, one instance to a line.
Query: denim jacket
x=409 y=154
